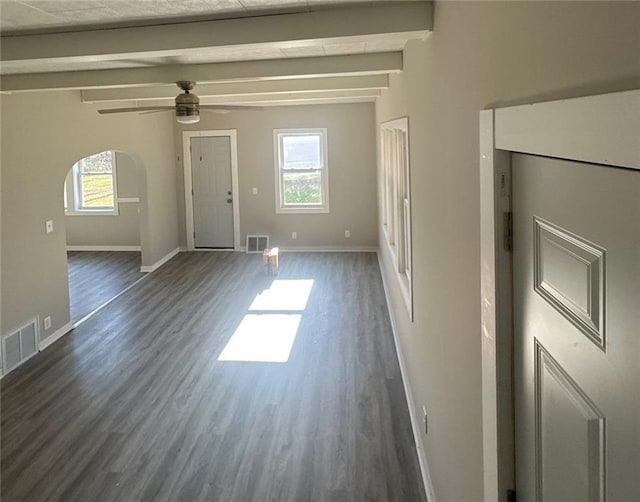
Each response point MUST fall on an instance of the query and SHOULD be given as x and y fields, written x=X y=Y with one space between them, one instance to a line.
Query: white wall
x=351 y=166
x=43 y=133
x=480 y=55
x=122 y=229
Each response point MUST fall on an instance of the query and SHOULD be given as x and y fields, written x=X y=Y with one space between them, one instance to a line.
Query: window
x=302 y=184
x=396 y=207
x=90 y=187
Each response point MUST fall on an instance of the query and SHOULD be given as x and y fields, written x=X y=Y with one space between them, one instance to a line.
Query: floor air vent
x=257 y=243
x=19 y=346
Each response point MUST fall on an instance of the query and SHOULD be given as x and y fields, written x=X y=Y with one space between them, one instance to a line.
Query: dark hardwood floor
x=97 y=276
x=134 y=404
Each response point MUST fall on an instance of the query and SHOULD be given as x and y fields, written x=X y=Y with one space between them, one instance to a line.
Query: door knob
x=229 y=192
x=229 y=201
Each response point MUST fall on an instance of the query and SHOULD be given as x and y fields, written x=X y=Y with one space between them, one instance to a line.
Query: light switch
x=49 y=226
x=255 y=190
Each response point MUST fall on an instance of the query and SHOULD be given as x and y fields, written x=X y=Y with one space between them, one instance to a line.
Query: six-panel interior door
x=212 y=193
x=576 y=267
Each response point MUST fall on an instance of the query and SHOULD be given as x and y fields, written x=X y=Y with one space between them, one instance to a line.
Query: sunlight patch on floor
x=262 y=338
x=266 y=336
x=284 y=295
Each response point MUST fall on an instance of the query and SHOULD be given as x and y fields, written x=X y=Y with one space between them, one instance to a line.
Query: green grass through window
x=97 y=190
x=302 y=188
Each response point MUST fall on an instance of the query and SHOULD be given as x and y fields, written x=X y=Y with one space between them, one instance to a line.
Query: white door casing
x=192 y=220
x=599 y=129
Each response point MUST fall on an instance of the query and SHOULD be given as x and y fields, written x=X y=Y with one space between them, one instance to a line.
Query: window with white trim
x=396 y=204
x=302 y=179
x=91 y=186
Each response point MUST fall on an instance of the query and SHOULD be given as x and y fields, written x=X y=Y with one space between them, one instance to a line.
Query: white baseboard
x=60 y=332
x=211 y=250
x=71 y=325
x=329 y=249
x=113 y=298
x=55 y=336
x=103 y=248
x=160 y=262
x=321 y=249
x=415 y=420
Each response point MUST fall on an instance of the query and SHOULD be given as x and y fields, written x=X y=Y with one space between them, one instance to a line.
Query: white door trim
x=188 y=183
x=600 y=129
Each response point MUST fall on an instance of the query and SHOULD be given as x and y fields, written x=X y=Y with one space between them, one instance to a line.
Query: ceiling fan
x=187 y=106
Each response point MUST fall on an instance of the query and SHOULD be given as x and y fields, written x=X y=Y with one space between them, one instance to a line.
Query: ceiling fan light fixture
x=188 y=119
x=187 y=104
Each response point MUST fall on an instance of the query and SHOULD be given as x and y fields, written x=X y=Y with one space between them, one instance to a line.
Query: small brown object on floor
x=270 y=261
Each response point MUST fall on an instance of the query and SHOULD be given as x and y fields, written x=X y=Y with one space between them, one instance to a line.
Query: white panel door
x=576 y=275
x=212 y=192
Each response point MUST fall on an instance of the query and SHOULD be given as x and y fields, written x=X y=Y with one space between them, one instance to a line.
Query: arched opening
x=103 y=197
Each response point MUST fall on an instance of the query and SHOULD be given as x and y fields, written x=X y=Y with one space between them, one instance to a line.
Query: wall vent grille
x=19 y=346
x=257 y=243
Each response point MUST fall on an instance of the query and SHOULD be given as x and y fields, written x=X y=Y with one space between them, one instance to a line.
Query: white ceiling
x=142 y=44
x=31 y=15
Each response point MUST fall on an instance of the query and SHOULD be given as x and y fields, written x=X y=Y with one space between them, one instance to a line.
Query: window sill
x=96 y=212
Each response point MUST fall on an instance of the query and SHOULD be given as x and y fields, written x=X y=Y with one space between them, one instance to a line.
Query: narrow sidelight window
x=396 y=203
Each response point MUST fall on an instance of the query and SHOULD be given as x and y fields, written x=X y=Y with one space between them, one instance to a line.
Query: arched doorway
x=102 y=194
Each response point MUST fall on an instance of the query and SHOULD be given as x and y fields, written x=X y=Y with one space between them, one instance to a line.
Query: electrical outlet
x=254 y=190
x=47 y=322
x=294 y=235
x=424 y=420
x=49 y=226
x=347 y=234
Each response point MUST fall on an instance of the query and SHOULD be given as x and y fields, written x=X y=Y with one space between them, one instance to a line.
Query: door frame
x=601 y=129
x=188 y=183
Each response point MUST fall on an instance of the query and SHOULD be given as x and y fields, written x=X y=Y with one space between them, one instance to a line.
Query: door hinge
x=194 y=235
x=508 y=231
x=511 y=496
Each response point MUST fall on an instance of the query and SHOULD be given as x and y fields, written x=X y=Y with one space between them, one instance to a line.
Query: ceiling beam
x=229 y=89
x=315 y=101
x=262 y=99
x=297 y=97
x=325 y=66
x=409 y=19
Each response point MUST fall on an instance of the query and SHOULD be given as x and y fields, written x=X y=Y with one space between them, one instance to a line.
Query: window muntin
x=301 y=170
x=91 y=185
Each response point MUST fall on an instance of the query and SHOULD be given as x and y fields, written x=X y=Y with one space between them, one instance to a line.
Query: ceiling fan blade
x=231 y=107
x=156 y=111
x=137 y=109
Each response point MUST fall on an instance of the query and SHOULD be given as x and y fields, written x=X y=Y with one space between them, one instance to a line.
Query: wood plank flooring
x=97 y=276
x=133 y=405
